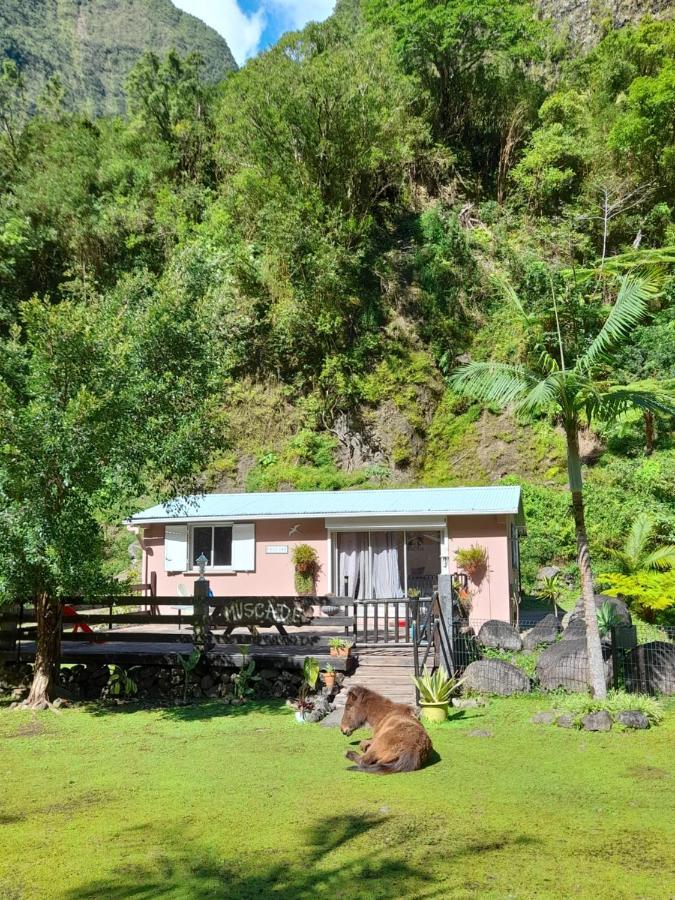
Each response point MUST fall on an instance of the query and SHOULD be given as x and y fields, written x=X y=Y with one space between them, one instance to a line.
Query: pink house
x=374 y=544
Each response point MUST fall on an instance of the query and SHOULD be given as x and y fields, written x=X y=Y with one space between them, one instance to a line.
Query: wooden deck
x=273 y=631
x=149 y=653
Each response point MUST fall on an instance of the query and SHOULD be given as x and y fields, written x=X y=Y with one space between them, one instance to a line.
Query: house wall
x=273 y=575
x=491 y=592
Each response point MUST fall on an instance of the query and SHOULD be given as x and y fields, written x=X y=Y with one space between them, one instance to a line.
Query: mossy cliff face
x=586 y=21
x=92 y=45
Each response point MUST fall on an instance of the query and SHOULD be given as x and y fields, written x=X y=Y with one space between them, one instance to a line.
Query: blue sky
x=249 y=26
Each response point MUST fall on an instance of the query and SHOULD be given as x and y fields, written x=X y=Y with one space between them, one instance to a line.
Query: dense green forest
x=346 y=220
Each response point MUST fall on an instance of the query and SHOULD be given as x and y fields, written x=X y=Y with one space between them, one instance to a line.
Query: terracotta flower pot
x=329 y=680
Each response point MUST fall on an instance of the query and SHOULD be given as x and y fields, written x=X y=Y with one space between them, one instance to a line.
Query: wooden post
x=201 y=628
x=445 y=622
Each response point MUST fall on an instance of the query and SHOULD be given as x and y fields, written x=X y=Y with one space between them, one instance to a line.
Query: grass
x=242 y=802
x=579 y=705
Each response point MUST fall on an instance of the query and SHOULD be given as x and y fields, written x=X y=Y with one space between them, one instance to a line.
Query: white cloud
x=296 y=13
x=241 y=31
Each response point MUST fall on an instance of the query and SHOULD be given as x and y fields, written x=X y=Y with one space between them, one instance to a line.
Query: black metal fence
x=560 y=661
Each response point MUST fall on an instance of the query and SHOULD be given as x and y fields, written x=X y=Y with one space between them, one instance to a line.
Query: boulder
x=547 y=572
x=543 y=718
x=467 y=702
x=632 y=718
x=494 y=676
x=565 y=721
x=575 y=631
x=544 y=632
x=499 y=636
x=597 y=721
x=650 y=668
x=578 y=611
x=565 y=665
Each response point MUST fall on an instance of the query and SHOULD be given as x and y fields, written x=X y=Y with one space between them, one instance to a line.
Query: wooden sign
x=292 y=611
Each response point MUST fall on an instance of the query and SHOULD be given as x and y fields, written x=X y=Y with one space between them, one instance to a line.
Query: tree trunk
x=649 y=432
x=47 y=653
x=596 y=666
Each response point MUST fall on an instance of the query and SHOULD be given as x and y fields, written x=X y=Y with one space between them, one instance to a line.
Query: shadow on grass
x=192 y=712
x=326 y=864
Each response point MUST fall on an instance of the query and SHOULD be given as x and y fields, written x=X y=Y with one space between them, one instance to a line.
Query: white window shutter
x=243 y=548
x=175 y=548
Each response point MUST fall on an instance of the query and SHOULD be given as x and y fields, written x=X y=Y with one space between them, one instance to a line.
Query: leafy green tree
x=99 y=403
x=12 y=112
x=170 y=99
x=473 y=62
x=573 y=389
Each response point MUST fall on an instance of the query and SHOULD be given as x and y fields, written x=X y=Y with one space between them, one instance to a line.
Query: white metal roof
x=458 y=501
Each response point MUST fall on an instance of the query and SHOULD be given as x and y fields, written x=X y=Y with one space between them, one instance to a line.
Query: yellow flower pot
x=434 y=712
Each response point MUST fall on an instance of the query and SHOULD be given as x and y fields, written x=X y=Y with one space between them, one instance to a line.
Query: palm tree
x=572 y=391
x=635 y=556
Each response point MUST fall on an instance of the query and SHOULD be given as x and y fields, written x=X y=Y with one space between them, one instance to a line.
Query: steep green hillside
x=91 y=45
x=347 y=220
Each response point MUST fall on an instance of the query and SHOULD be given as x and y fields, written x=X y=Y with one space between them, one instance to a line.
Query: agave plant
x=608 y=618
x=435 y=687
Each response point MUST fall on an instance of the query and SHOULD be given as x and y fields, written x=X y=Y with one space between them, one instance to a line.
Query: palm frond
x=506 y=289
x=493 y=382
x=661 y=558
x=618 y=400
x=630 y=307
x=638 y=536
x=625 y=562
x=541 y=396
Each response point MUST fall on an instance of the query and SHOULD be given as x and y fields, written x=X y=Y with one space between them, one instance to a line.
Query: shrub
x=580 y=705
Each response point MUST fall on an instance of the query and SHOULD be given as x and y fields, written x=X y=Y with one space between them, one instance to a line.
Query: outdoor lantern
x=201 y=563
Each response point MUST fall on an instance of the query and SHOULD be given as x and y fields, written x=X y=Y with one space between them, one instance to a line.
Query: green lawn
x=243 y=802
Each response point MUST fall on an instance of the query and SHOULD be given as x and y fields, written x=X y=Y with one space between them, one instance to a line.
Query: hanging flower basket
x=472 y=560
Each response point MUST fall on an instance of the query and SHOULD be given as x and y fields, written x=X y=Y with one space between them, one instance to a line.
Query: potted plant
x=435 y=690
x=306 y=564
x=329 y=676
x=471 y=560
x=340 y=647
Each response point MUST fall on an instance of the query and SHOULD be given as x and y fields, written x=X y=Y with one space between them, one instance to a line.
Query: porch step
x=386 y=670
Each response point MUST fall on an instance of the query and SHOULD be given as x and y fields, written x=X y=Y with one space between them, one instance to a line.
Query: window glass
x=424 y=560
x=201 y=543
x=222 y=546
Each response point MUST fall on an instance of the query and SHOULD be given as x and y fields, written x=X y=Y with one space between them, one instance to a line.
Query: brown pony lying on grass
x=399 y=742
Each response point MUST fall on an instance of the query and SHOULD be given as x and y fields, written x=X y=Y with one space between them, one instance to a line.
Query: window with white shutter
x=243 y=548
x=175 y=548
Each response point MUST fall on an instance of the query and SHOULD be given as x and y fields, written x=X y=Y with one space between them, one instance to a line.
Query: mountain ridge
x=91 y=45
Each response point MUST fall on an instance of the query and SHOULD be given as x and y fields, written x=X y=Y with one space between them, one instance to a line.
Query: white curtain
x=353 y=566
x=385 y=558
